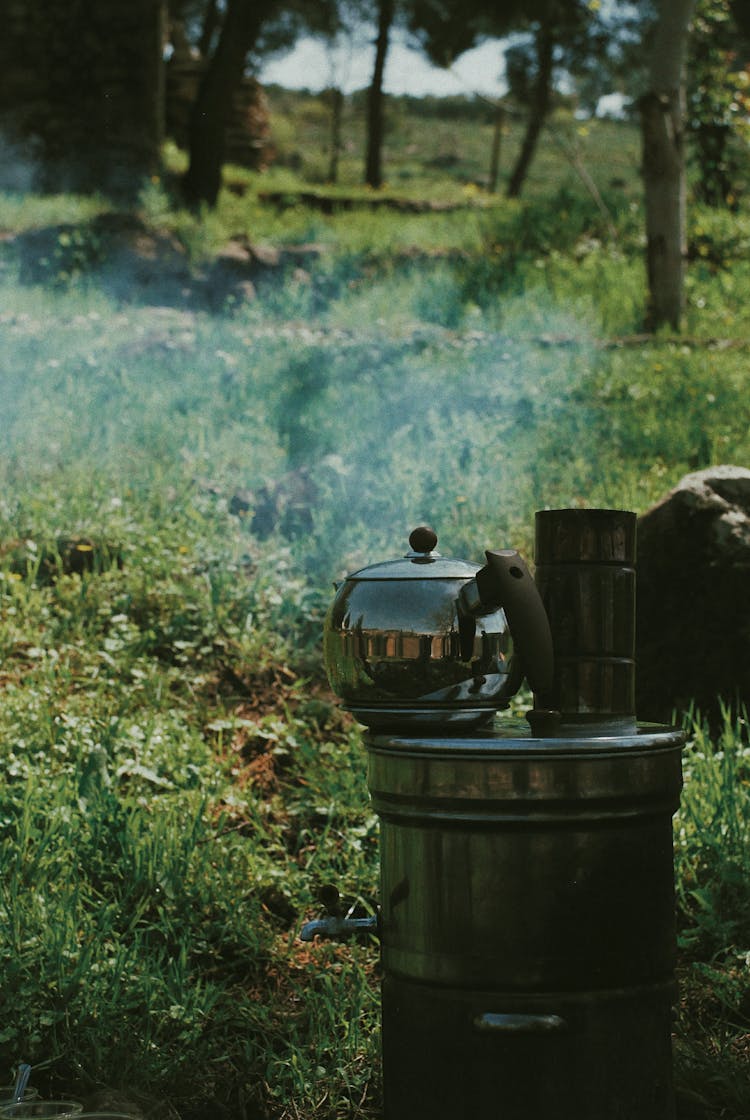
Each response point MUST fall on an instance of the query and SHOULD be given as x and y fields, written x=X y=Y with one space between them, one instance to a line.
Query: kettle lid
x=421 y=562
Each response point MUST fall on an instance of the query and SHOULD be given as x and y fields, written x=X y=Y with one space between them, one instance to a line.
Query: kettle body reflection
x=426 y=640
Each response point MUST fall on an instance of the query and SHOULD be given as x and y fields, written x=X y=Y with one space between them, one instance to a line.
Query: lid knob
x=423 y=539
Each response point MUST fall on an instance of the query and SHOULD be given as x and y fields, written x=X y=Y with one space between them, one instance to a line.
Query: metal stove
x=526 y=880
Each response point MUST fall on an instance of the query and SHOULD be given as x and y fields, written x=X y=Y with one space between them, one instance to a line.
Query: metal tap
x=338 y=928
x=334 y=925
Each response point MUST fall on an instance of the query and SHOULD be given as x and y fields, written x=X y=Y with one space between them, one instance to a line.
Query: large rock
x=693 y=602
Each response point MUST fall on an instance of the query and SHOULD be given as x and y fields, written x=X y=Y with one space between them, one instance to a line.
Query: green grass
x=711 y=849
x=177 y=785
x=431 y=151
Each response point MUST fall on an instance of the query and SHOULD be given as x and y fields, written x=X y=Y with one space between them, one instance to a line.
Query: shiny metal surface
x=522 y=863
x=527 y=888
x=402 y=644
x=436 y=720
x=338 y=928
x=402 y=648
x=527 y=923
x=503 y=1022
x=429 y=635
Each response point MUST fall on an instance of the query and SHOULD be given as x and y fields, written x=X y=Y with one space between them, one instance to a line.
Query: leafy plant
x=711 y=849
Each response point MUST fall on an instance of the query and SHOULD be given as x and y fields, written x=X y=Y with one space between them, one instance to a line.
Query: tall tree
x=239 y=32
x=248 y=28
x=564 y=37
x=444 y=29
x=550 y=37
x=340 y=30
x=539 y=60
x=347 y=20
x=386 y=11
x=663 y=147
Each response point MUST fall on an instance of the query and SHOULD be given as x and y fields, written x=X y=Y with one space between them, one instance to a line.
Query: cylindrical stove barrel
x=585 y=572
x=527 y=924
x=545 y=1056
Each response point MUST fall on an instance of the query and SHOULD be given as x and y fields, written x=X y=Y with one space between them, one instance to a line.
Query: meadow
x=192 y=450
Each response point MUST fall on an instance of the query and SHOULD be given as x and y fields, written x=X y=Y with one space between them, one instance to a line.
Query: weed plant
x=177 y=786
x=713 y=896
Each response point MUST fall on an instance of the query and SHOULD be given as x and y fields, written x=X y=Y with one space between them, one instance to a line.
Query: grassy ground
x=177 y=785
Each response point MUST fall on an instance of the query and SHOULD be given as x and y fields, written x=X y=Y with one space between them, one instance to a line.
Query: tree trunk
x=242 y=24
x=538 y=109
x=211 y=21
x=497 y=135
x=375 y=121
x=337 y=105
x=663 y=150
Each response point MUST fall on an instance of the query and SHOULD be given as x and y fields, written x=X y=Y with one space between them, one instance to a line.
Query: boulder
x=693 y=600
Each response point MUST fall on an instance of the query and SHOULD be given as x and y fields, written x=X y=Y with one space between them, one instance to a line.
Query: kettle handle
x=506 y=581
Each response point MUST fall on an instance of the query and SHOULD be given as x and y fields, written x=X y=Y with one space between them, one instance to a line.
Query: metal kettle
x=426 y=640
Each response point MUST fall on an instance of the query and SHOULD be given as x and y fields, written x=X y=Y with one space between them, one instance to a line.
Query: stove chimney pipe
x=585 y=572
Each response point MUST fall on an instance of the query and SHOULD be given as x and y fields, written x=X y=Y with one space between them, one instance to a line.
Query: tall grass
x=712 y=831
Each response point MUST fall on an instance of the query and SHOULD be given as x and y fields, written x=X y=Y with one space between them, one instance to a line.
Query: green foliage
x=712 y=848
x=713 y=897
x=717 y=107
x=150 y=890
x=519 y=239
x=177 y=786
x=436 y=152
